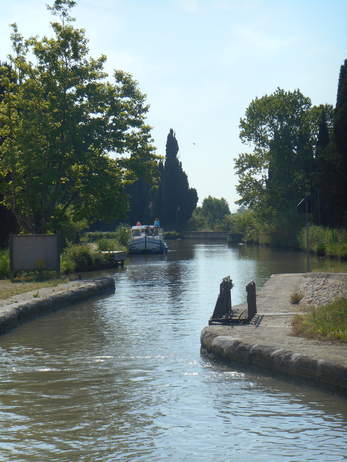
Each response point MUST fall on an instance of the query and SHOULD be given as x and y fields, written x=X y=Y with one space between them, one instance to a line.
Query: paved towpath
x=276 y=313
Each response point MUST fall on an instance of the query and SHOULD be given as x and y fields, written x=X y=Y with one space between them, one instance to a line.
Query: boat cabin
x=144 y=230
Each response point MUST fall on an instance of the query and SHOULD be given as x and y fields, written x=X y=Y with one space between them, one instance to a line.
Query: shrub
x=4 y=264
x=296 y=297
x=172 y=235
x=325 y=241
x=97 y=235
x=122 y=235
x=107 y=244
x=324 y=322
x=78 y=258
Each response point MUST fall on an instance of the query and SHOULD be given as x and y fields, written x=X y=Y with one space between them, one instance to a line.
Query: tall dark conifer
x=324 y=172
x=8 y=222
x=340 y=132
x=177 y=200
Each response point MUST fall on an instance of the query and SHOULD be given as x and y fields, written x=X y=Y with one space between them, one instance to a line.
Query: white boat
x=147 y=239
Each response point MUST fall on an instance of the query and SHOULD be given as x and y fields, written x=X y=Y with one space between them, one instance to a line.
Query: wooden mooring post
x=223 y=312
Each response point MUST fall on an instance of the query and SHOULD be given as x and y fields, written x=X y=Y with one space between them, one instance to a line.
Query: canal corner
x=270 y=344
x=29 y=305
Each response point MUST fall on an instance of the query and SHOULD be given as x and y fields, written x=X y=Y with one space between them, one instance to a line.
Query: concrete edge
x=14 y=315
x=319 y=372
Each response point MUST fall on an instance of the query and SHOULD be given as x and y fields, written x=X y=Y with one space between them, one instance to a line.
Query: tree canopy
x=63 y=126
x=283 y=130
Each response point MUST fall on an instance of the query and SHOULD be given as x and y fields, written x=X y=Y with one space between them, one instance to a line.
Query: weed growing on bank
x=325 y=241
x=328 y=322
x=296 y=297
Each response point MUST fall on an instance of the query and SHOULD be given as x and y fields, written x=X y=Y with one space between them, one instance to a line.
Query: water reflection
x=121 y=377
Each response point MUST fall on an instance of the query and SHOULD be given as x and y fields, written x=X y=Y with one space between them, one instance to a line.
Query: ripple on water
x=121 y=377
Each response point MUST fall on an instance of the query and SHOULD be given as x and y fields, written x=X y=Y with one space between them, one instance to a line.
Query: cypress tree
x=178 y=200
x=340 y=132
x=8 y=222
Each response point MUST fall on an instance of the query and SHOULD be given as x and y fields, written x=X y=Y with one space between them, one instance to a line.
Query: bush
x=172 y=235
x=325 y=241
x=327 y=322
x=296 y=297
x=4 y=264
x=78 y=258
x=107 y=244
x=122 y=235
x=96 y=236
x=120 y=238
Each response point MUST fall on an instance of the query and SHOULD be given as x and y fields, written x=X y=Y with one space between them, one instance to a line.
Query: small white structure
x=147 y=239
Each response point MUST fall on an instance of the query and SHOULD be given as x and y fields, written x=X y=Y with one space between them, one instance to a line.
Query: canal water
x=122 y=378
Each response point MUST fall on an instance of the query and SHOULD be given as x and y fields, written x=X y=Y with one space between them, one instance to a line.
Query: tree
x=7 y=219
x=177 y=199
x=340 y=132
x=215 y=210
x=61 y=119
x=279 y=171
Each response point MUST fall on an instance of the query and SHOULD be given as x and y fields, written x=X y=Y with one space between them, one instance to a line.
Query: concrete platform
x=270 y=343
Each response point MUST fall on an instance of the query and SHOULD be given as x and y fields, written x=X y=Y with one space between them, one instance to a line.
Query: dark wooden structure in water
x=223 y=312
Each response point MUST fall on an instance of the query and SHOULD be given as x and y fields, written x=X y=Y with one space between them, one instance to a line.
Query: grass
x=325 y=241
x=11 y=289
x=328 y=322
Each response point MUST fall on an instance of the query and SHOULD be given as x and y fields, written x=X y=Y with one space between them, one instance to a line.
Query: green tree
x=214 y=210
x=61 y=119
x=340 y=132
x=177 y=200
x=7 y=219
x=279 y=170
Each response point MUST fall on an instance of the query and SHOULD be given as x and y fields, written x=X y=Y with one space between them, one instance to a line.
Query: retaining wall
x=15 y=314
x=275 y=359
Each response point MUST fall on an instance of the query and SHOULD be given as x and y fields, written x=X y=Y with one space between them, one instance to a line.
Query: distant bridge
x=230 y=237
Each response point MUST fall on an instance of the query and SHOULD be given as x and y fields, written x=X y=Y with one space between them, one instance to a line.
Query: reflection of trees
x=272 y=261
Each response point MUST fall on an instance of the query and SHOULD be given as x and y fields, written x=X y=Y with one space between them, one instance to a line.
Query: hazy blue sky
x=201 y=62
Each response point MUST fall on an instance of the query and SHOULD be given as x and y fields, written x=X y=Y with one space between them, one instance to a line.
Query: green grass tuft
x=328 y=322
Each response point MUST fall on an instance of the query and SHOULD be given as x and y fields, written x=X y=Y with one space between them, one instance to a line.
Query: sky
x=201 y=62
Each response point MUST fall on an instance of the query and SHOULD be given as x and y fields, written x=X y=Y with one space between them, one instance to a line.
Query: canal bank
x=269 y=343
x=29 y=305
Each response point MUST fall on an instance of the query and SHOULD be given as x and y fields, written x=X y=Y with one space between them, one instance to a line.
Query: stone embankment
x=21 y=308
x=269 y=342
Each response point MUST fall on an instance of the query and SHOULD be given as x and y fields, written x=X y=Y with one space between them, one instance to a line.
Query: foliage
x=97 y=235
x=198 y=221
x=172 y=235
x=214 y=210
x=296 y=297
x=249 y=225
x=288 y=137
x=4 y=263
x=122 y=235
x=78 y=258
x=175 y=200
x=325 y=241
x=340 y=133
x=325 y=322
x=59 y=120
x=107 y=244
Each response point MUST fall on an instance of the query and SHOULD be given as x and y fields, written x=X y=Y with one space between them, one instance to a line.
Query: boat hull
x=147 y=244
